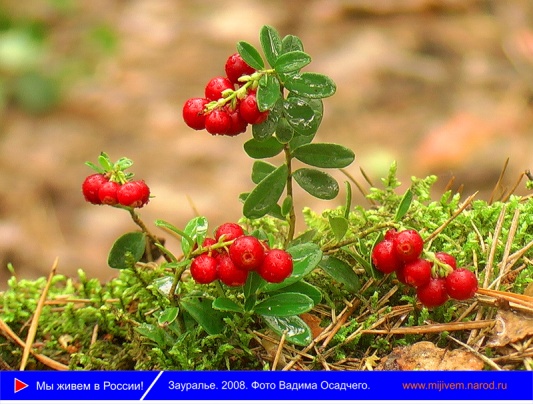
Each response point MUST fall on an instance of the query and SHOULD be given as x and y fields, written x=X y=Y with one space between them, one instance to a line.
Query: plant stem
x=292 y=214
x=136 y=218
x=359 y=236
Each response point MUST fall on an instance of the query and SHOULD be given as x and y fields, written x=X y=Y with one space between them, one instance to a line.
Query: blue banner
x=277 y=385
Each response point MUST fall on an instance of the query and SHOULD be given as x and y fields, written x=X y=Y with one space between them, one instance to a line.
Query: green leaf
x=173 y=229
x=196 y=230
x=296 y=331
x=266 y=129
x=341 y=271
x=324 y=155
x=263 y=149
x=404 y=205
x=286 y=206
x=260 y=170
x=291 y=43
x=312 y=85
x=202 y=312
x=271 y=43
x=284 y=305
x=305 y=258
x=226 y=304
x=301 y=116
x=317 y=183
x=250 y=55
x=153 y=333
x=253 y=283
x=292 y=61
x=266 y=194
x=304 y=288
x=127 y=250
x=284 y=131
x=268 y=92
x=167 y=316
x=163 y=285
x=339 y=226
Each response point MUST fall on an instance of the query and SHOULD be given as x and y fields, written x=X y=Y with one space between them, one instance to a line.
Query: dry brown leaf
x=313 y=322
x=426 y=356
x=510 y=327
x=528 y=291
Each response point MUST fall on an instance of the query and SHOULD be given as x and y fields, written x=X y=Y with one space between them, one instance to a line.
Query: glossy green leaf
x=127 y=250
x=305 y=258
x=268 y=92
x=253 y=283
x=324 y=155
x=153 y=333
x=264 y=130
x=263 y=149
x=339 y=226
x=167 y=316
x=304 y=288
x=266 y=194
x=271 y=43
x=317 y=183
x=286 y=206
x=292 y=61
x=341 y=271
x=250 y=55
x=202 y=312
x=284 y=131
x=163 y=285
x=226 y=304
x=312 y=85
x=404 y=205
x=291 y=43
x=301 y=116
x=260 y=170
x=284 y=304
x=196 y=229
x=296 y=331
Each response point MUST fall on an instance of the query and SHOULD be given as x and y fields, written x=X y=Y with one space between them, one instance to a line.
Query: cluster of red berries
x=230 y=102
x=98 y=189
x=435 y=279
x=241 y=254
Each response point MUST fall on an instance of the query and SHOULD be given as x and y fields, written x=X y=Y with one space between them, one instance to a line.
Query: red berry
x=276 y=267
x=204 y=269
x=247 y=253
x=215 y=87
x=208 y=242
x=446 y=259
x=417 y=273
x=408 y=245
x=433 y=293
x=218 y=122
x=230 y=231
x=228 y=273
x=384 y=257
x=90 y=187
x=236 y=67
x=108 y=193
x=391 y=234
x=250 y=111
x=134 y=194
x=238 y=125
x=461 y=284
x=193 y=112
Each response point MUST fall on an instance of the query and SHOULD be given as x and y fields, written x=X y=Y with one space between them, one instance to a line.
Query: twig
x=45 y=360
x=488 y=361
x=435 y=328
x=35 y=321
x=278 y=351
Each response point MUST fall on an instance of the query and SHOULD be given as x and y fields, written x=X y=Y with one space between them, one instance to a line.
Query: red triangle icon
x=19 y=385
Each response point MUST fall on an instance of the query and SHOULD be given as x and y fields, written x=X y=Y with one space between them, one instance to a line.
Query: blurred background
x=442 y=87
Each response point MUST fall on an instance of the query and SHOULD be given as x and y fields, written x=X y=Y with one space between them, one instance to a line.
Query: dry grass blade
x=434 y=328
x=359 y=186
x=490 y=260
x=35 y=321
x=498 y=186
x=465 y=204
x=485 y=359
x=354 y=304
x=45 y=360
x=521 y=300
x=504 y=269
x=278 y=351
